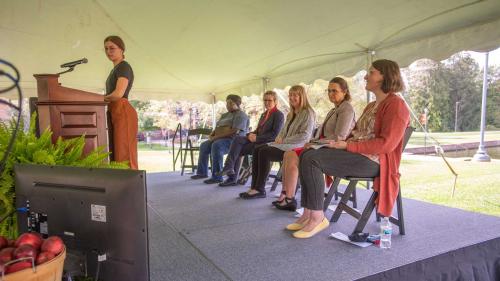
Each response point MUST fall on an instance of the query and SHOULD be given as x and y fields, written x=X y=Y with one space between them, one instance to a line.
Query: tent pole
x=265 y=84
x=213 y=111
x=481 y=154
x=369 y=60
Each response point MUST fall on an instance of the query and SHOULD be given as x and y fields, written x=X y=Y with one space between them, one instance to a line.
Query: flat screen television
x=101 y=214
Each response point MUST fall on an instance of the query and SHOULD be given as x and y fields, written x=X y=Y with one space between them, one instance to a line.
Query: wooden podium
x=71 y=113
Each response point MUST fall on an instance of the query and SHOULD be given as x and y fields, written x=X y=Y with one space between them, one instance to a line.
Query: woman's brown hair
x=117 y=41
x=343 y=85
x=393 y=82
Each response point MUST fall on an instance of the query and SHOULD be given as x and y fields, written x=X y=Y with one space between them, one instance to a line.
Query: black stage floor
x=205 y=232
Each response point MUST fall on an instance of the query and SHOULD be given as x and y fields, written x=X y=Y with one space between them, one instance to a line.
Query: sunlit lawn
x=429 y=179
x=154 y=161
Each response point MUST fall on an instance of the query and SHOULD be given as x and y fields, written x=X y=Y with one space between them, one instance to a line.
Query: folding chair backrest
x=370 y=205
x=190 y=149
x=199 y=131
x=406 y=137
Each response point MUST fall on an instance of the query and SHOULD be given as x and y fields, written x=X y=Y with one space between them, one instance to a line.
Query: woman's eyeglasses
x=267 y=100
x=331 y=91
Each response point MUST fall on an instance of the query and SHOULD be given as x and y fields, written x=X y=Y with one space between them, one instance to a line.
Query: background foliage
x=437 y=86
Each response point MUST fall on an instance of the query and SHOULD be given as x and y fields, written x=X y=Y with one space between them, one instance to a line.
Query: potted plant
x=28 y=148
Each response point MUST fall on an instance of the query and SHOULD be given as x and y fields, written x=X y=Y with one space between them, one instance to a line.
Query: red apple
x=3 y=242
x=6 y=255
x=53 y=244
x=17 y=266
x=24 y=251
x=44 y=257
x=12 y=243
x=31 y=238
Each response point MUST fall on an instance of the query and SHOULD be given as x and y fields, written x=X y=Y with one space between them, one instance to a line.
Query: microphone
x=73 y=63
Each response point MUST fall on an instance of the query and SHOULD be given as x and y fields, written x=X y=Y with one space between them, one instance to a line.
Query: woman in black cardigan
x=270 y=124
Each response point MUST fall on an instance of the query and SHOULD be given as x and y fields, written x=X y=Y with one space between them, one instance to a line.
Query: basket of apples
x=32 y=258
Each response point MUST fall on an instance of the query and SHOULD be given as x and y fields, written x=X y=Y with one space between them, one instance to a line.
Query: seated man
x=269 y=125
x=232 y=123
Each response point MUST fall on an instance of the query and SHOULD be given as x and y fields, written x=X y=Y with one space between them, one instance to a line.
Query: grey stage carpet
x=205 y=232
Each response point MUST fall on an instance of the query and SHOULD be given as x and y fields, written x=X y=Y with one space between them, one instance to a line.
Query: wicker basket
x=49 y=271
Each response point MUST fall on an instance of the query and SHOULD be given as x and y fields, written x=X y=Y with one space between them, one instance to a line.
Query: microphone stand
x=71 y=68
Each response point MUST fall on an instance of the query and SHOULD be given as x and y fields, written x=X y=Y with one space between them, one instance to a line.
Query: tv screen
x=101 y=214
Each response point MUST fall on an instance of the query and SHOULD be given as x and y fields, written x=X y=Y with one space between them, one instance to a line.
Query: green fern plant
x=28 y=148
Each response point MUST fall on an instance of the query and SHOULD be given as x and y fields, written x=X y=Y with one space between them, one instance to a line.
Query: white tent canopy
x=190 y=49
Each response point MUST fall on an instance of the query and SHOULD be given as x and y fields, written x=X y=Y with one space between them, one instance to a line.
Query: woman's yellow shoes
x=296 y=226
x=308 y=234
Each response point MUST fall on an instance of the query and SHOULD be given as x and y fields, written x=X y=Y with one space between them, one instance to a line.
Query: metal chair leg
x=277 y=179
x=331 y=192
x=367 y=211
x=401 y=222
x=343 y=201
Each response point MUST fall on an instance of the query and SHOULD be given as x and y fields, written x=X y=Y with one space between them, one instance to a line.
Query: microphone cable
x=15 y=80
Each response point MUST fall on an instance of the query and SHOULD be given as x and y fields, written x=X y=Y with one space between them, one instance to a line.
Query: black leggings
x=334 y=162
x=261 y=165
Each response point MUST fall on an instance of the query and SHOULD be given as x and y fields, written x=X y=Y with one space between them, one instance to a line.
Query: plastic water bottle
x=385 y=233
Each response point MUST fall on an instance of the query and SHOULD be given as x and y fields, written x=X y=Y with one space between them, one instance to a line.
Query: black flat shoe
x=276 y=202
x=290 y=205
x=225 y=173
x=212 y=181
x=279 y=201
x=197 y=177
x=253 y=196
x=228 y=182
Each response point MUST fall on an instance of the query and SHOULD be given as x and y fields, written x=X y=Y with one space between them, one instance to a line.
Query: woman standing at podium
x=124 y=122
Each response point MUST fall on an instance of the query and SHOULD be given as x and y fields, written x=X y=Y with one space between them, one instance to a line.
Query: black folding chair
x=245 y=169
x=370 y=205
x=193 y=135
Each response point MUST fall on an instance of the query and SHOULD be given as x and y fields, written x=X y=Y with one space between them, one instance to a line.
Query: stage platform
x=205 y=232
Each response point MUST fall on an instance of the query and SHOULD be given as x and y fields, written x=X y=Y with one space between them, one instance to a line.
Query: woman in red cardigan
x=373 y=150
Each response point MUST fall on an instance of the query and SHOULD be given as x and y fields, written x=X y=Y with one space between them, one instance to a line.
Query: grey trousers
x=334 y=162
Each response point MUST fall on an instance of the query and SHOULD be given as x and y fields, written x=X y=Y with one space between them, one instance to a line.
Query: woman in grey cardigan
x=337 y=125
x=295 y=133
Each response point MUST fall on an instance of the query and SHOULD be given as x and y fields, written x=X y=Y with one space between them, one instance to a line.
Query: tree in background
x=441 y=86
x=493 y=101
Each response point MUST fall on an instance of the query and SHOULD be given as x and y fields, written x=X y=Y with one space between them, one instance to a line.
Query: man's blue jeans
x=215 y=149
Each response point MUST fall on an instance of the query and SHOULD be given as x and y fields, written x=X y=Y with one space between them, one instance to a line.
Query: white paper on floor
x=299 y=212
x=343 y=237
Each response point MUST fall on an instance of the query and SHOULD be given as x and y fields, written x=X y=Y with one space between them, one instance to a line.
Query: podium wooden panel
x=71 y=113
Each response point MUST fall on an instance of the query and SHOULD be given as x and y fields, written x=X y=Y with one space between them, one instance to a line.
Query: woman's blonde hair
x=301 y=91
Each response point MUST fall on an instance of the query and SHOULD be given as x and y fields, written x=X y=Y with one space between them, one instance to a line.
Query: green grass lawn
x=429 y=179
